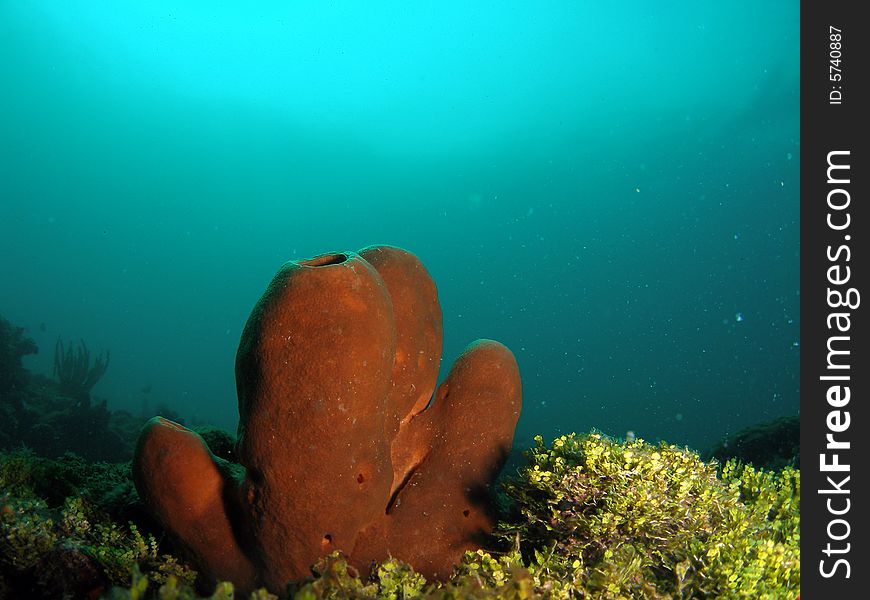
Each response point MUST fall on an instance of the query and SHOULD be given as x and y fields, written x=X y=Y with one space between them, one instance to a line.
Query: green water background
x=611 y=189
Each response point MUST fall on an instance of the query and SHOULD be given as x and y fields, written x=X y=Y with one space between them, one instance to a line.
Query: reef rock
x=343 y=444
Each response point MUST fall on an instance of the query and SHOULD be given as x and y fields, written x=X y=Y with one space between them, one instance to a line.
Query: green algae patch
x=586 y=517
x=57 y=541
x=632 y=519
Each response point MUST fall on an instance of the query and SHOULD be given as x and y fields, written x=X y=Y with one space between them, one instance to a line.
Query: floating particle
x=738 y=317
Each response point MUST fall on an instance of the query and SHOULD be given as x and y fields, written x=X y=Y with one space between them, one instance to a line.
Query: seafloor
x=581 y=516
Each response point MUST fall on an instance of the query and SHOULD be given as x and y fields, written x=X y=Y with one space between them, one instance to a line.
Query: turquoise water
x=609 y=189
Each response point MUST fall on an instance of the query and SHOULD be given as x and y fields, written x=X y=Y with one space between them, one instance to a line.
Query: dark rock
x=771 y=445
x=221 y=443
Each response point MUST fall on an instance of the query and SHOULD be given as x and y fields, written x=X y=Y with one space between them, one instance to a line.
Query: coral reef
x=590 y=518
x=584 y=516
x=41 y=413
x=342 y=448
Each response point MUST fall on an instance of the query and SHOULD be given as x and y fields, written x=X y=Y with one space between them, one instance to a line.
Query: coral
x=342 y=448
x=74 y=371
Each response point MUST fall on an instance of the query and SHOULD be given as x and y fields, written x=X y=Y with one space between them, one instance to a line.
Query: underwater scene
x=399 y=300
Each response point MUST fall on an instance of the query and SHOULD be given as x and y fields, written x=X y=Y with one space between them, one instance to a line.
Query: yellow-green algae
x=590 y=517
